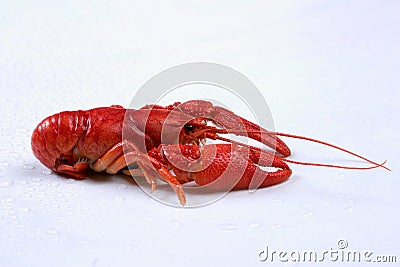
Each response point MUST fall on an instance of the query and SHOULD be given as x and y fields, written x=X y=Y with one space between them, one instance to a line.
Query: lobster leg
x=116 y=159
x=232 y=123
x=78 y=170
x=105 y=161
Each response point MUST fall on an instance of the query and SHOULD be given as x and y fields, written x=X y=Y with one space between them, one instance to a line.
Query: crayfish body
x=166 y=143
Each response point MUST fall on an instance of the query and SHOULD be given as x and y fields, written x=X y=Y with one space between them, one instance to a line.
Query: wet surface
x=75 y=56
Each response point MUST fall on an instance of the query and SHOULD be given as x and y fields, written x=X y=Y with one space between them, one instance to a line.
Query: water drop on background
x=175 y=224
x=119 y=198
x=52 y=231
x=47 y=171
x=24 y=210
x=228 y=227
x=7 y=200
x=122 y=186
x=131 y=248
x=30 y=189
x=254 y=225
x=278 y=226
x=54 y=184
x=349 y=210
x=7 y=207
x=309 y=214
x=166 y=256
x=29 y=167
x=5 y=184
x=25 y=195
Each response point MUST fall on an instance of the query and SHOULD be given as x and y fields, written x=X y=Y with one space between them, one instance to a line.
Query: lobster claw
x=225 y=166
x=232 y=123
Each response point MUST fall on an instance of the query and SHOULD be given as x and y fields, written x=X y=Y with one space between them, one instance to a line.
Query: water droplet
x=131 y=248
x=175 y=224
x=277 y=226
x=7 y=200
x=12 y=217
x=36 y=179
x=47 y=171
x=30 y=189
x=29 y=167
x=165 y=256
x=278 y=201
x=25 y=195
x=8 y=207
x=122 y=186
x=342 y=195
x=254 y=225
x=349 y=210
x=120 y=198
x=309 y=214
x=70 y=181
x=23 y=182
x=351 y=201
x=5 y=184
x=54 y=184
x=228 y=227
x=52 y=231
x=24 y=210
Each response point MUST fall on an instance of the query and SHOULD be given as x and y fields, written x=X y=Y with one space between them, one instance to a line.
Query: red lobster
x=155 y=138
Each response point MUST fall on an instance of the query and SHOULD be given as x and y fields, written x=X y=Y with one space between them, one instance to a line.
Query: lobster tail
x=56 y=136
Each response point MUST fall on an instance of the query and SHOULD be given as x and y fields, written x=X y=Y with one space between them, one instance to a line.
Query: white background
x=327 y=69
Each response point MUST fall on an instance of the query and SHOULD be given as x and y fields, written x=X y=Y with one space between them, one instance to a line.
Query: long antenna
x=329 y=145
x=223 y=131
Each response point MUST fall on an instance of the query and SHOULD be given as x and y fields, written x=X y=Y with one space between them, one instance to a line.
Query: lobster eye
x=64 y=161
x=189 y=127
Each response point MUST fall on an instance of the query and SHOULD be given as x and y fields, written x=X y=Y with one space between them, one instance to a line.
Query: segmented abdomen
x=90 y=133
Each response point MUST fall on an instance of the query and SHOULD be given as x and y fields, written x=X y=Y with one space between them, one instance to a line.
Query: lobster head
x=187 y=123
